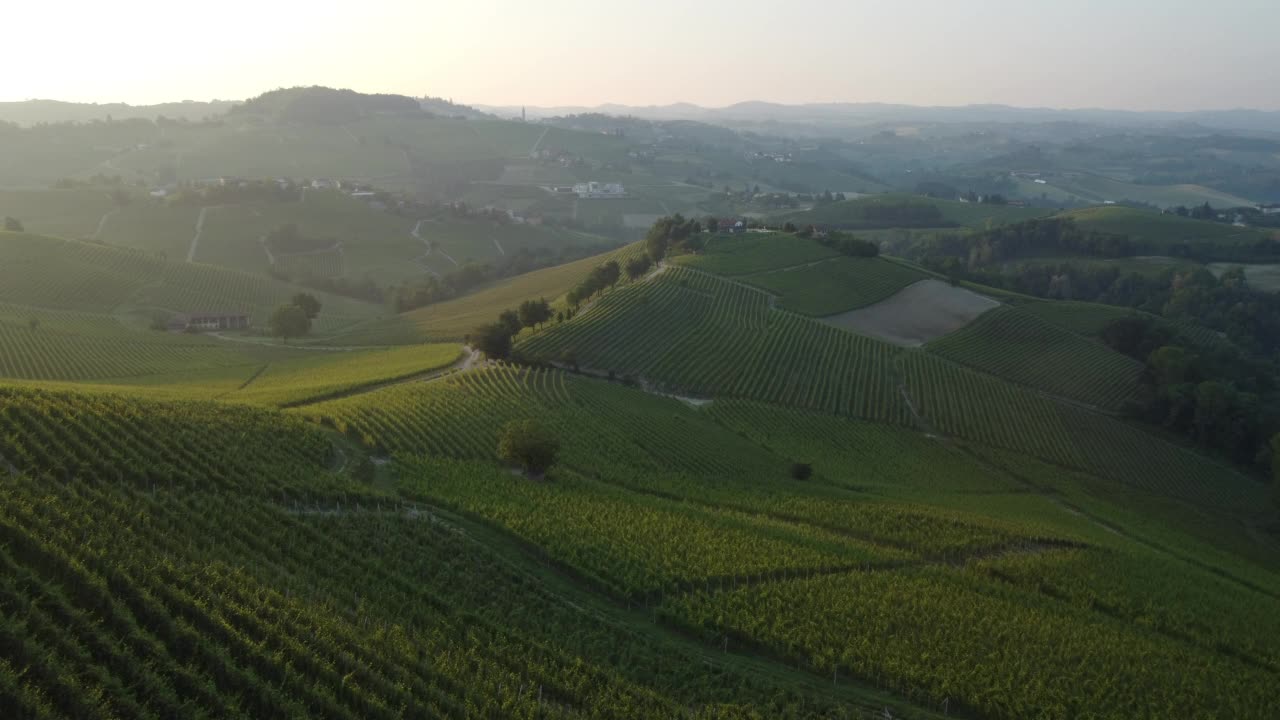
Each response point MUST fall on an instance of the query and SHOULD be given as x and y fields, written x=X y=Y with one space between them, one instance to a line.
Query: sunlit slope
x=454 y=319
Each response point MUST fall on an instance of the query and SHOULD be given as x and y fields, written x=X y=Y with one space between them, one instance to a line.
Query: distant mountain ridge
x=35 y=112
x=754 y=111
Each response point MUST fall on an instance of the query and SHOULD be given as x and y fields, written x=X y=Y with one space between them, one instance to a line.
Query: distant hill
x=873 y=113
x=904 y=210
x=1164 y=230
x=34 y=112
x=324 y=106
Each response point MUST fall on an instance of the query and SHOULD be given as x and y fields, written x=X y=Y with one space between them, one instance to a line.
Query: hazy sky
x=1133 y=54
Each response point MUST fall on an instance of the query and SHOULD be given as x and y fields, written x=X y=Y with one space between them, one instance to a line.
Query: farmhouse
x=209 y=321
x=595 y=189
x=731 y=226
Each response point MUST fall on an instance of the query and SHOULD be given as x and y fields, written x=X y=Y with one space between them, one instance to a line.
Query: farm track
x=469 y=360
x=1054 y=496
x=195 y=241
x=102 y=223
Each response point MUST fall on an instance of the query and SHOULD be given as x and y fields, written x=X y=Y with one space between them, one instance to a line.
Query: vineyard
x=920 y=630
x=1082 y=318
x=836 y=285
x=1023 y=349
x=755 y=253
x=48 y=353
x=701 y=335
x=961 y=402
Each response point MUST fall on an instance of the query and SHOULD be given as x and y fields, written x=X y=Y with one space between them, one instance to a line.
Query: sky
x=1122 y=54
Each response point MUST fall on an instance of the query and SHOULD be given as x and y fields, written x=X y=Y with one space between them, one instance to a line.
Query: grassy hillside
x=836 y=285
x=1097 y=188
x=454 y=319
x=1160 y=230
x=69 y=274
x=1020 y=347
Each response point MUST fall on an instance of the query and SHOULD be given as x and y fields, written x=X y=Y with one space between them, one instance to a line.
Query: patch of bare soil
x=918 y=313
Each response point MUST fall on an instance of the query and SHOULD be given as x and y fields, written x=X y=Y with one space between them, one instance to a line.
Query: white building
x=595 y=189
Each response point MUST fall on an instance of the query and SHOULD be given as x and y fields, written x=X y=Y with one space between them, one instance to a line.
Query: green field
x=858 y=213
x=836 y=285
x=1020 y=347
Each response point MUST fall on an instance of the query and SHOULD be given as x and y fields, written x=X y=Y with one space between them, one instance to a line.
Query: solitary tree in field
x=309 y=304
x=494 y=340
x=13 y=224
x=801 y=471
x=290 y=321
x=527 y=444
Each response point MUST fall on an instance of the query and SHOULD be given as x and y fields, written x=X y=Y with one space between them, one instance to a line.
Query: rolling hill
x=781 y=482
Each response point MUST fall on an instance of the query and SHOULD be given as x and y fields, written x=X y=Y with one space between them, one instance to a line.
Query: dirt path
x=102 y=223
x=499 y=246
x=534 y=149
x=195 y=241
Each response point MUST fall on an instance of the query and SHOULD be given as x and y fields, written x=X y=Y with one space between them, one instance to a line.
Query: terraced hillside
x=1017 y=346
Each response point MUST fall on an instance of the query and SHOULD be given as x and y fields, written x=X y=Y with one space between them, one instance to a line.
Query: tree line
x=1213 y=395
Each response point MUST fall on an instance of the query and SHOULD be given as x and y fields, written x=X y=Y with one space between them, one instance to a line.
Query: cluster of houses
x=777 y=157
x=194 y=322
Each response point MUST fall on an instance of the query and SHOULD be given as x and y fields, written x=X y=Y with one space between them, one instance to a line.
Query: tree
x=290 y=321
x=494 y=340
x=801 y=471
x=12 y=224
x=534 y=312
x=309 y=304
x=655 y=244
x=527 y=444
x=510 y=319
x=638 y=266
